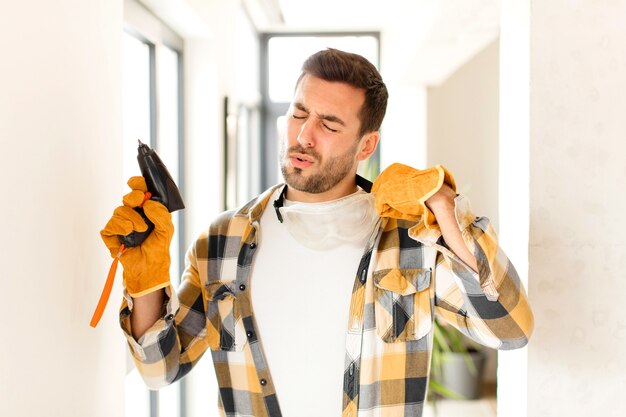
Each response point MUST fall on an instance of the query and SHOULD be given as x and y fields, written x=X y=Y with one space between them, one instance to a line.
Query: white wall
x=462 y=125
x=214 y=67
x=203 y=135
x=577 y=254
x=403 y=133
x=213 y=63
x=203 y=179
x=513 y=186
x=61 y=169
x=566 y=100
x=462 y=119
x=61 y=164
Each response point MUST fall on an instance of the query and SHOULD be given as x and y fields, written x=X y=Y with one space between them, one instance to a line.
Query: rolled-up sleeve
x=490 y=306
x=177 y=340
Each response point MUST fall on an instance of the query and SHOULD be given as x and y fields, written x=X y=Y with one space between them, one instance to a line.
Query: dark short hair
x=335 y=65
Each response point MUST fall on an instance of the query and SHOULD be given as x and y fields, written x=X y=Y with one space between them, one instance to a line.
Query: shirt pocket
x=402 y=305
x=224 y=316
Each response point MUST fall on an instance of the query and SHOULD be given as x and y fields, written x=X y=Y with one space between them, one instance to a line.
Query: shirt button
x=263 y=382
x=252 y=245
x=242 y=287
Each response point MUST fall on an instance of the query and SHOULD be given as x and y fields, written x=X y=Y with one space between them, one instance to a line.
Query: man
x=317 y=298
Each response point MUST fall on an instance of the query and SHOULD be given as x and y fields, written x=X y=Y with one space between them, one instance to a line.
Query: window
x=152 y=113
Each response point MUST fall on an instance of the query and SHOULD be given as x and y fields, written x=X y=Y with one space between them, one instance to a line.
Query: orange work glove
x=147 y=266
x=402 y=191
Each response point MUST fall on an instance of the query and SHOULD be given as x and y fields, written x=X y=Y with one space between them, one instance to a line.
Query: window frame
x=142 y=24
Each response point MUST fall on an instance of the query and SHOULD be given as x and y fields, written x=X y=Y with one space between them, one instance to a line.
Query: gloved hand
x=402 y=191
x=147 y=266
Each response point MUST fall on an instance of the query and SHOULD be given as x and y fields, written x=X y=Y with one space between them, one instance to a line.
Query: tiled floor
x=483 y=407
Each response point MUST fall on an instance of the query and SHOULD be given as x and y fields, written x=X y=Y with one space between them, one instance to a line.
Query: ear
x=369 y=141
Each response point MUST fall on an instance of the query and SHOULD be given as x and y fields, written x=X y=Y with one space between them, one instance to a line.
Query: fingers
x=137 y=183
x=124 y=221
x=134 y=198
x=159 y=215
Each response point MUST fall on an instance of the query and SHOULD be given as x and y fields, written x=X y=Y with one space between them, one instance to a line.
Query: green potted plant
x=457 y=365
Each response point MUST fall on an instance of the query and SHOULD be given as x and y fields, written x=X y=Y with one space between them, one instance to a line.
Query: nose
x=305 y=136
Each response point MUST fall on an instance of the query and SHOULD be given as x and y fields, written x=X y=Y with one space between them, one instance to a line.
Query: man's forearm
x=146 y=311
x=442 y=206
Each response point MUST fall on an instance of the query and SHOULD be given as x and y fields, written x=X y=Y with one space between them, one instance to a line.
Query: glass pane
x=167 y=70
x=281 y=127
x=287 y=53
x=168 y=88
x=168 y=149
x=136 y=125
x=136 y=100
x=244 y=156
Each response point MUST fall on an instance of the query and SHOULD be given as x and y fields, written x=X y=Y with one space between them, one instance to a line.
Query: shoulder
x=212 y=241
x=236 y=221
x=396 y=234
x=221 y=223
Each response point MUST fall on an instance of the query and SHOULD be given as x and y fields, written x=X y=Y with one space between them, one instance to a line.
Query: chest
x=385 y=309
x=293 y=283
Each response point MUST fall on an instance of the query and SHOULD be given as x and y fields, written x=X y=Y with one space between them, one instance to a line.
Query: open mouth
x=301 y=161
x=302 y=157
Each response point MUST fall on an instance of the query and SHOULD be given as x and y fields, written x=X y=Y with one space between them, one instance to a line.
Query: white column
x=572 y=145
x=577 y=360
x=513 y=184
x=61 y=170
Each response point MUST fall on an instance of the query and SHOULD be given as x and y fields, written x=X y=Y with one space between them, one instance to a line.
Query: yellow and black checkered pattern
x=406 y=275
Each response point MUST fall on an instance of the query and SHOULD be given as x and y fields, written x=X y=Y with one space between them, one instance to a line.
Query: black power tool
x=160 y=185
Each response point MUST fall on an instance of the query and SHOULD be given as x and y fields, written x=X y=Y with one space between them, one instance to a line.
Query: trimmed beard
x=330 y=172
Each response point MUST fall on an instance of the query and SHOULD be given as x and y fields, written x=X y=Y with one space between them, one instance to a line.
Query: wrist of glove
x=401 y=192
x=146 y=267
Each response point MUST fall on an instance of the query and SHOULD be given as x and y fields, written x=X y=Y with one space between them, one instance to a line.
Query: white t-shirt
x=301 y=298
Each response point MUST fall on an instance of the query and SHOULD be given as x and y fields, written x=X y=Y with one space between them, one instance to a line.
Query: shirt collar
x=254 y=209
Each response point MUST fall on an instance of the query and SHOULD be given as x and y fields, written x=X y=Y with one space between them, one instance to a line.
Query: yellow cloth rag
x=402 y=191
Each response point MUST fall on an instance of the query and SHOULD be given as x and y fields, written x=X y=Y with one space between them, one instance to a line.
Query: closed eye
x=329 y=128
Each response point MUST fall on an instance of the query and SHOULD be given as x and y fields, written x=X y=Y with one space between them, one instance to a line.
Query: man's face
x=322 y=147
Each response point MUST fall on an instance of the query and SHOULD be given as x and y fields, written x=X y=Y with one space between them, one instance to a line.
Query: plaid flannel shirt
x=406 y=274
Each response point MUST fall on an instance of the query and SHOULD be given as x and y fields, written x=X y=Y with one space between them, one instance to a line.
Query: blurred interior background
x=522 y=100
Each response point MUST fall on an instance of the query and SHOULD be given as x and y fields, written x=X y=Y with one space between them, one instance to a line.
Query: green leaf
x=440 y=341
x=446 y=340
x=444 y=391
